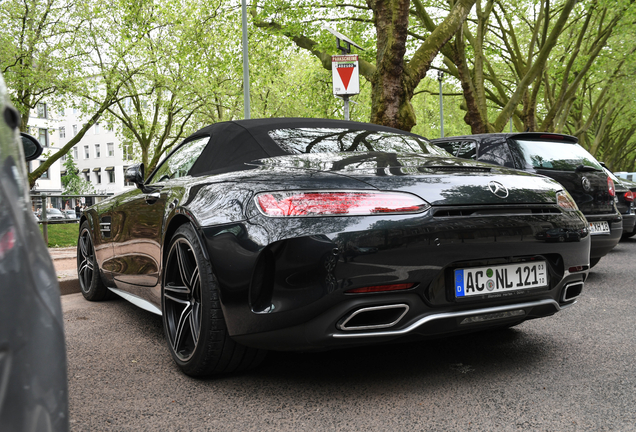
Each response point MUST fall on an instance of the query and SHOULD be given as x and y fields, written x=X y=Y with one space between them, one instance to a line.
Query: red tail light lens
x=380 y=288
x=629 y=196
x=7 y=242
x=328 y=203
x=610 y=187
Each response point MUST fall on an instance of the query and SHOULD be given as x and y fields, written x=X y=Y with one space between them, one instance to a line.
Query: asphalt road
x=574 y=371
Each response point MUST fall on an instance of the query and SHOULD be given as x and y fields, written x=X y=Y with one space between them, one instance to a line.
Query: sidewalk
x=65 y=262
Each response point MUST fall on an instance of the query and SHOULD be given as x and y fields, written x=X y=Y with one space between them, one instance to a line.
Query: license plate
x=599 y=228
x=476 y=281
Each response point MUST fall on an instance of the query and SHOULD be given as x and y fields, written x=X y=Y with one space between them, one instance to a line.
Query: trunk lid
x=441 y=181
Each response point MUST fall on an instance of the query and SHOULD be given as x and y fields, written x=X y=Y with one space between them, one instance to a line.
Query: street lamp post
x=246 y=65
x=440 y=77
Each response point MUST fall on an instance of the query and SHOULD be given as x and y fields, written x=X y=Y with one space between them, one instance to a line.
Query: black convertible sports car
x=308 y=234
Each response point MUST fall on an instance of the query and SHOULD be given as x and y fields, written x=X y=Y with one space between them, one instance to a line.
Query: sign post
x=345 y=70
x=346 y=78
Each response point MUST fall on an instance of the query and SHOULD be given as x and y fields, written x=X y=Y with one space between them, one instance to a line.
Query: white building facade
x=98 y=156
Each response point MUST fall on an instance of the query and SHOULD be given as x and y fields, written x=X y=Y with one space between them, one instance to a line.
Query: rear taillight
x=7 y=242
x=629 y=196
x=330 y=203
x=565 y=201
x=610 y=187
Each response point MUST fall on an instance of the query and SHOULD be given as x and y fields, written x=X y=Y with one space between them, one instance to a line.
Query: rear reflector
x=629 y=196
x=380 y=288
x=577 y=269
x=329 y=203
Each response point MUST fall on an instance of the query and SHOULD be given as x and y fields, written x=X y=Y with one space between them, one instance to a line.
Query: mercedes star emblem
x=498 y=189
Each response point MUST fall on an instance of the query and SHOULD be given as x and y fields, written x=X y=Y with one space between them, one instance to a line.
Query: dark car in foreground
x=309 y=234
x=33 y=382
x=561 y=158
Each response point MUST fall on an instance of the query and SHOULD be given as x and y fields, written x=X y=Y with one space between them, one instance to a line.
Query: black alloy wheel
x=91 y=284
x=182 y=299
x=192 y=317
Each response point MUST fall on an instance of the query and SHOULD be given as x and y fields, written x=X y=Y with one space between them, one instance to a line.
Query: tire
x=594 y=261
x=91 y=284
x=192 y=318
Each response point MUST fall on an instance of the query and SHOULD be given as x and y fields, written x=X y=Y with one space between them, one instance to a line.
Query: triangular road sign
x=345 y=75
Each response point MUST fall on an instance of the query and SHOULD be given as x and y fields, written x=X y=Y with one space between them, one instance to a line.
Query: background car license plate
x=599 y=227
x=500 y=278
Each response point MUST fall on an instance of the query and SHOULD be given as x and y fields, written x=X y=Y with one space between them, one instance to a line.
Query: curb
x=69 y=286
x=64 y=260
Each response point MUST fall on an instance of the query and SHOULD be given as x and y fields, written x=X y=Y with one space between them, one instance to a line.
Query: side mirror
x=135 y=174
x=32 y=147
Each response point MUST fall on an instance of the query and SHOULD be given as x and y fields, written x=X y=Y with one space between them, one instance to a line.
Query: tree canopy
x=159 y=70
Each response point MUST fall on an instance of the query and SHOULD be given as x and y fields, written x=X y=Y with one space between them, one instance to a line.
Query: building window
x=86 y=152
x=87 y=176
x=96 y=128
x=41 y=109
x=111 y=176
x=43 y=136
x=63 y=158
x=62 y=132
x=45 y=174
x=127 y=151
x=111 y=149
x=97 y=151
x=74 y=130
x=98 y=177
x=75 y=153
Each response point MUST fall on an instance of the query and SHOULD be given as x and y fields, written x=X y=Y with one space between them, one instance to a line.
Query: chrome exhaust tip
x=572 y=291
x=375 y=317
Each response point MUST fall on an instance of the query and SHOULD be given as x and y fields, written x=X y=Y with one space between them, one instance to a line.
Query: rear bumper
x=289 y=291
x=603 y=243
x=420 y=323
x=629 y=221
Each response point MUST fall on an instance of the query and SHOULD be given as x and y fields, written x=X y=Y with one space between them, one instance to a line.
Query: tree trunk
x=393 y=80
x=391 y=92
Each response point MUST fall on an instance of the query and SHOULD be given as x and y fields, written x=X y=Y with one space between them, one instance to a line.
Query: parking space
x=572 y=371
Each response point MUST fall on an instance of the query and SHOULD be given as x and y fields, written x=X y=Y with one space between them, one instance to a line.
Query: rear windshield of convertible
x=330 y=140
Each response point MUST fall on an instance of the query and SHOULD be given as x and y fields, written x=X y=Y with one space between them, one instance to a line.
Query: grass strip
x=62 y=235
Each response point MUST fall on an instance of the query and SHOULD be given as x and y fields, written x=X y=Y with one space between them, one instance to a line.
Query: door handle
x=151 y=198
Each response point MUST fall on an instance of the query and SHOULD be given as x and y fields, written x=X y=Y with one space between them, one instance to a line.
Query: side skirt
x=137 y=301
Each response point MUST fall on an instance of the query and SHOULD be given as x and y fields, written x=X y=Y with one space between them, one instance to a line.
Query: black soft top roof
x=514 y=135
x=237 y=142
